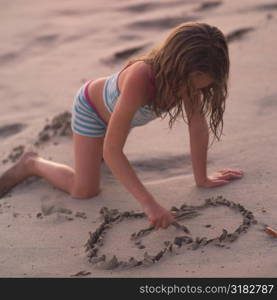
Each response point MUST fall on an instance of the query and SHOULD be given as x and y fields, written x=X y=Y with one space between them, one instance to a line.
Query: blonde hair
x=190 y=47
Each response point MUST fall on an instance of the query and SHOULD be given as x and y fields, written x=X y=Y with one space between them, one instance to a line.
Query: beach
x=47 y=51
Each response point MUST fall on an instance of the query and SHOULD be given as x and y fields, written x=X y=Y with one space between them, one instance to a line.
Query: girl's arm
x=199 y=139
x=133 y=92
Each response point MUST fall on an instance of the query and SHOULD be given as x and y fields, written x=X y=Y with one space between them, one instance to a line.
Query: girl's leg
x=81 y=182
x=88 y=153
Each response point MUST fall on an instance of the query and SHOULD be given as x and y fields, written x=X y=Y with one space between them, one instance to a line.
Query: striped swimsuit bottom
x=85 y=118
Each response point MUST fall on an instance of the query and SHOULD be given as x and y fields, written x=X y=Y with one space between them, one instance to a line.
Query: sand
x=47 y=51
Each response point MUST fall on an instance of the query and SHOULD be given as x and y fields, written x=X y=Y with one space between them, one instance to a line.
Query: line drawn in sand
x=113 y=216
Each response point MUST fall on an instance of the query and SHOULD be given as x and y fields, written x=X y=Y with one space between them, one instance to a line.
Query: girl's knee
x=84 y=193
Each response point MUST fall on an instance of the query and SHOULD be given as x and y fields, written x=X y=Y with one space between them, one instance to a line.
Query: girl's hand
x=221 y=177
x=158 y=216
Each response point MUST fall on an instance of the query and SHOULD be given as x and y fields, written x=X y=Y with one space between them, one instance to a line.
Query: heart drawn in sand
x=113 y=216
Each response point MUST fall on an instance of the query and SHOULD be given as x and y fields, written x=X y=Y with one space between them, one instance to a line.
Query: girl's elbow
x=111 y=151
x=106 y=153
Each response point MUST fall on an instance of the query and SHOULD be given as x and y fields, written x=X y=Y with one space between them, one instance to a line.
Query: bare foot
x=17 y=173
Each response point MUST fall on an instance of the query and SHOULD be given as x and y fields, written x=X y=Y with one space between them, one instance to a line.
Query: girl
x=187 y=72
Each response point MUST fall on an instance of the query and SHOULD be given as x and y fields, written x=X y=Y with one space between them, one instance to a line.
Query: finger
x=152 y=222
x=235 y=172
x=229 y=176
x=164 y=223
x=224 y=171
x=174 y=213
x=157 y=224
x=218 y=183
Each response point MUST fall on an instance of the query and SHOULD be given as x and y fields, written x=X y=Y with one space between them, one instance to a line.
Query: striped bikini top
x=110 y=95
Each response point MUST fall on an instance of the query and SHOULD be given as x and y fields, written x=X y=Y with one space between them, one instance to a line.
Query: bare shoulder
x=139 y=68
x=135 y=79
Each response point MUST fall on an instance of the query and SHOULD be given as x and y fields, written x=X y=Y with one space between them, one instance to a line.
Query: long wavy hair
x=190 y=47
